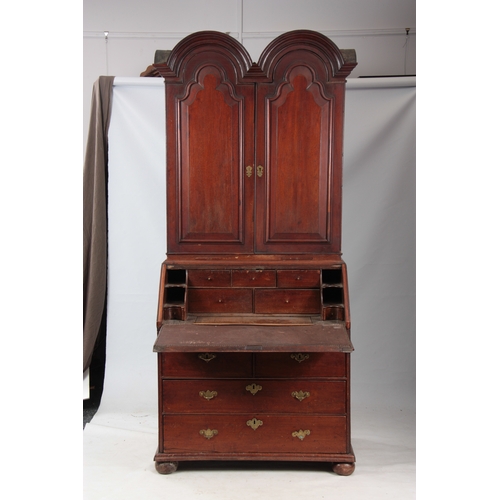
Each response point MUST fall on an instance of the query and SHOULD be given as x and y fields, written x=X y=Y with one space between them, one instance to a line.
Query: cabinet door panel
x=298 y=194
x=210 y=134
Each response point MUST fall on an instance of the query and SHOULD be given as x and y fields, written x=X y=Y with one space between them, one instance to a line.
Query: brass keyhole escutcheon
x=300 y=395
x=209 y=433
x=260 y=171
x=253 y=388
x=208 y=395
x=301 y=434
x=248 y=171
x=299 y=357
x=207 y=356
x=254 y=423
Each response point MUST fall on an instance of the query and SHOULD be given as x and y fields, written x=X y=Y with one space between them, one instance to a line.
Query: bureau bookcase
x=253 y=315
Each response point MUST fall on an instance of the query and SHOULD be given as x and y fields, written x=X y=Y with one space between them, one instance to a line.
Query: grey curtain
x=95 y=216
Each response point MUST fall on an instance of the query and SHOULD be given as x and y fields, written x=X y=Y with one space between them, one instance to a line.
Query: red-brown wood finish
x=253 y=316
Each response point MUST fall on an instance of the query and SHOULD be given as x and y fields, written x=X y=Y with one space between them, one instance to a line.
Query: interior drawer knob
x=300 y=395
x=301 y=434
x=253 y=388
x=299 y=357
x=209 y=433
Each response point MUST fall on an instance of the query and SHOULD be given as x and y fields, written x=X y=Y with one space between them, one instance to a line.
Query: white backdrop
x=378 y=241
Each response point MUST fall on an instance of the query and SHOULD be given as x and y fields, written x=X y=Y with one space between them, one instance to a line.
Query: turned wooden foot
x=166 y=467
x=343 y=469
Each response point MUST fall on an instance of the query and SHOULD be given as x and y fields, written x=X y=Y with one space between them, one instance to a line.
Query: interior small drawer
x=282 y=301
x=298 y=364
x=222 y=300
x=298 y=279
x=254 y=278
x=205 y=365
x=207 y=278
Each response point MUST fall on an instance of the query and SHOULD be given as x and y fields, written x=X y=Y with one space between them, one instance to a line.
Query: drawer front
x=298 y=279
x=241 y=396
x=201 y=278
x=222 y=300
x=273 y=434
x=293 y=365
x=205 y=365
x=254 y=278
x=287 y=301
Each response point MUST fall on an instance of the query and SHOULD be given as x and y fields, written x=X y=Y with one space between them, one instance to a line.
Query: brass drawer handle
x=299 y=357
x=300 y=395
x=208 y=395
x=207 y=356
x=209 y=433
x=253 y=388
x=301 y=434
x=254 y=423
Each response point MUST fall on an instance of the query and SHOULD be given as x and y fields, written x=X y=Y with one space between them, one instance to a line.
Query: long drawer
x=254 y=432
x=254 y=395
x=240 y=365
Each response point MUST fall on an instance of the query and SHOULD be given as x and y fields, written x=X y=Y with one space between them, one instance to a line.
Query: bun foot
x=166 y=467
x=343 y=469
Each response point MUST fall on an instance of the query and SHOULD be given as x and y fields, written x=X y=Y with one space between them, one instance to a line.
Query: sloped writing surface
x=179 y=336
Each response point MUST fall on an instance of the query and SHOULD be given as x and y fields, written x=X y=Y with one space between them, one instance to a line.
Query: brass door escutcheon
x=249 y=171
x=209 y=433
x=299 y=357
x=260 y=170
x=300 y=395
x=206 y=356
x=301 y=434
x=253 y=388
x=208 y=395
x=254 y=423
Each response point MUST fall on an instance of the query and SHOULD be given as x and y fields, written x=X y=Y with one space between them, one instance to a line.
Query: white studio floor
x=118 y=465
